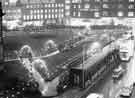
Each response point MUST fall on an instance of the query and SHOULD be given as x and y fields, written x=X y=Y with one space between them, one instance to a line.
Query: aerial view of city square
x=67 y=48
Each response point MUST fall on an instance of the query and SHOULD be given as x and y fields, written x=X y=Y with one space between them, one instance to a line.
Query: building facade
x=102 y=8
x=47 y=11
x=40 y=12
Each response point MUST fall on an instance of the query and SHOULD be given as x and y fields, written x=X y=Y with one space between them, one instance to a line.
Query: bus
x=126 y=49
x=92 y=69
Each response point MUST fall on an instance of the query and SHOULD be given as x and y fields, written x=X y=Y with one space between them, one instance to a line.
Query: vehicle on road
x=126 y=91
x=95 y=67
x=126 y=49
x=118 y=72
x=95 y=95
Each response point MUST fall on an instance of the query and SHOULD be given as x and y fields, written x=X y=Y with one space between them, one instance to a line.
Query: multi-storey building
x=102 y=8
x=5 y=2
x=85 y=8
x=13 y=12
x=48 y=11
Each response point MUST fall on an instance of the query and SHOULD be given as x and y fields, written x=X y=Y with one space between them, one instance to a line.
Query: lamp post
x=1 y=36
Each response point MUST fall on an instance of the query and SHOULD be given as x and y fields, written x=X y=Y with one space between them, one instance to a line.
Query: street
x=109 y=88
x=105 y=86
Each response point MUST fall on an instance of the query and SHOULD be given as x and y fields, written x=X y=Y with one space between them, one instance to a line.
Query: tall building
x=39 y=11
x=5 y=2
x=102 y=8
x=12 y=12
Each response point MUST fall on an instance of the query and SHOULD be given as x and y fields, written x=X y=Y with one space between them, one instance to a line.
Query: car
x=95 y=95
x=118 y=72
x=126 y=91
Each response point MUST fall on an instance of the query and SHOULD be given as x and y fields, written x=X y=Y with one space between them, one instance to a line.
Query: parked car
x=126 y=91
x=118 y=72
x=95 y=95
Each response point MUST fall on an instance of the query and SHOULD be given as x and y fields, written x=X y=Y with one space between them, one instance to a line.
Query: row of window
x=47 y=11
x=41 y=16
x=79 y=1
x=105 y=13
x=67 y=1
x=87 y=6
x=13 y=11
x=50 y=5
x=75 y=1
x=118 y=0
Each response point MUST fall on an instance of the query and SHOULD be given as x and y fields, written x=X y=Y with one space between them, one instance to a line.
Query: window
x=31 y=17
x=59 y=16
x=62 y=5
x=76 y=1
x=56 y=10
x=52 y=5
x=130 y=13
x=41 y=16
x=120 y=6
x=38 y=16
x=79 y=6
x=105 y=13
x=49 y=5
x=131 y=6
x=59 y=10
x=79 y=14
x=27 y=6
x=38 y=5
x=67 y=1
x=86 y=0
x=120 y=13
x=96 y=14
x=62 y=10
x=74 y=6
x=31 y=12
x=74 y=13
x=45 y=5
x=18 y=11
x=105 y=0
x=105 y=6
x=41 y=11
x=45 y=16
x=45 y=10
x=28 y=17
x=52 y=10
x=49 y=16
x=56 y=16
x=37 y=11
x=56 y=5
x=86 y=6
x=24 y=17
x=49 y=10
x=97 y=0
x=35 y=17
x=131 y=0
x=31 y=6
x=62 y=15
x=52 y=15
x=59 y=5
x=67 y=7
x=67 y=13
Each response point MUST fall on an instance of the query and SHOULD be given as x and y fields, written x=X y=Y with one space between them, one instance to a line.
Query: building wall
x=50 y=11
x=61 y=11
x=12 y=13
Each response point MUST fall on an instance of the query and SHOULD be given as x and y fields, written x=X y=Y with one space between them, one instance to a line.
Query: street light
x=1 y=36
